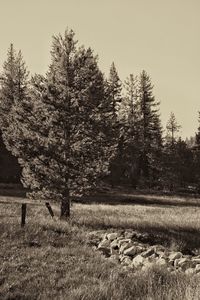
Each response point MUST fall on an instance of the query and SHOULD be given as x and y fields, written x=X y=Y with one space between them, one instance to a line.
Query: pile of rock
x=132 y=251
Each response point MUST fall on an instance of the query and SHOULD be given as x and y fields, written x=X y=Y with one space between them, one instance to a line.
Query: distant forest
x=76 y=127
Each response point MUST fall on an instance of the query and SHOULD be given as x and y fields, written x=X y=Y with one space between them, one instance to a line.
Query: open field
x=51 y=259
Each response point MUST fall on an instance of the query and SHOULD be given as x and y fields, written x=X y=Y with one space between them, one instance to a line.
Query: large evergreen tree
x=174 y=156
x=114 y=89
x=14 y=90
x=62 y=142
x=150 y=131
x=196 y=152
x=172 y=129
x=113 y=96
x=14 y=85
x=130 y=117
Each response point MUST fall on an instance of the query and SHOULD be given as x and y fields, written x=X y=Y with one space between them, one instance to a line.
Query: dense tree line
x=74 y=127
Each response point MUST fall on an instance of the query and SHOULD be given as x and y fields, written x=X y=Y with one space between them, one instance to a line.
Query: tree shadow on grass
x=136 y=200
x=21 y=193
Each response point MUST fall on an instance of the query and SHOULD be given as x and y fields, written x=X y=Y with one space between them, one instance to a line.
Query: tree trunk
x=65 y=206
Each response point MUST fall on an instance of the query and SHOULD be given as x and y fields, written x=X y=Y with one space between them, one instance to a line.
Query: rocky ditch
x=132 y=251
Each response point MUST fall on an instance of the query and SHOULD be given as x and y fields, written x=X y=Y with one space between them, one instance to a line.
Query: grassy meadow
x=52 y=259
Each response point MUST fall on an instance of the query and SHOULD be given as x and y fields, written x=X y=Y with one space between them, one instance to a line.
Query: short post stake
x=49 y=209
x=23 y=215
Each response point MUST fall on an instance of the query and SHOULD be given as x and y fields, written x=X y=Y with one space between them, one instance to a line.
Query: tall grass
x=50 y=259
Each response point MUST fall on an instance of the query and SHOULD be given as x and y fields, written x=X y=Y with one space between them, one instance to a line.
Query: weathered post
x=49 y=209
x=23 y=215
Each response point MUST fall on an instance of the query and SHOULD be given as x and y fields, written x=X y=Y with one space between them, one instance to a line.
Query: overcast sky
x=159 y=36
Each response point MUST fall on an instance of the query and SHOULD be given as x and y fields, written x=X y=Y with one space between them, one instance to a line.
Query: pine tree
x=130 y=114
x=172 y=129
x=63 y=147
x=113 y=98
x=196 y=153
x=150 y=130
x=114 y=89
x=14 y=90
x=171 y=154
x=197 y=136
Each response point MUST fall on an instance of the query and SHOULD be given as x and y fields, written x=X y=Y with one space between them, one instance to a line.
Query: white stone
x=133 y=250
x=130 y=235
x=138 y=261
x=126 y=261
x=124 y=247
x=122 y=257
x=112 y=236
x=104 y=245
x=104 y=236
x=181 y=261
x=189 y=271
x=114 y=244
x=175 y=255
x=161 y=262
x=197 y=268
x=148 y=252
x=123 y=241
x=196 y=260
x=158 y=248
x=114 y=251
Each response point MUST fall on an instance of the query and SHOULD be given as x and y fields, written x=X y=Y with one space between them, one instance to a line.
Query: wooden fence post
x=49 y=209
x=23 y=215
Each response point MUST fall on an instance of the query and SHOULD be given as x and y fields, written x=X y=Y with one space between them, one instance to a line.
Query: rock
x=184 y=263
x=112 y=236
x=169 y=262
x=124 y=247
x=174 y=262
x=196 y=260
x=138 y=261
x=160 y=253
x=126 y=261
x=123 y=241
x=159 y=248
x=123 y=257
x=114 y=244
x=180 y=261
x=197 y=268
x=114 y=251
x=189 y=271
x=148 y=252
x=130 y=234
x=161 y=262
x=175 y=255
x=104 y=236
x=133 y=250
x=104 y=246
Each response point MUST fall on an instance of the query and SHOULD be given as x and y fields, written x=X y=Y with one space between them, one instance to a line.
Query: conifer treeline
x=73 y=127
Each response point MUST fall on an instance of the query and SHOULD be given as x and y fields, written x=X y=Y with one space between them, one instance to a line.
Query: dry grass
x=49 y=259
x=174 y=226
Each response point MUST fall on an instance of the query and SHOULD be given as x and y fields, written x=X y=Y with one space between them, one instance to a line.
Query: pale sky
x=159 y=36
